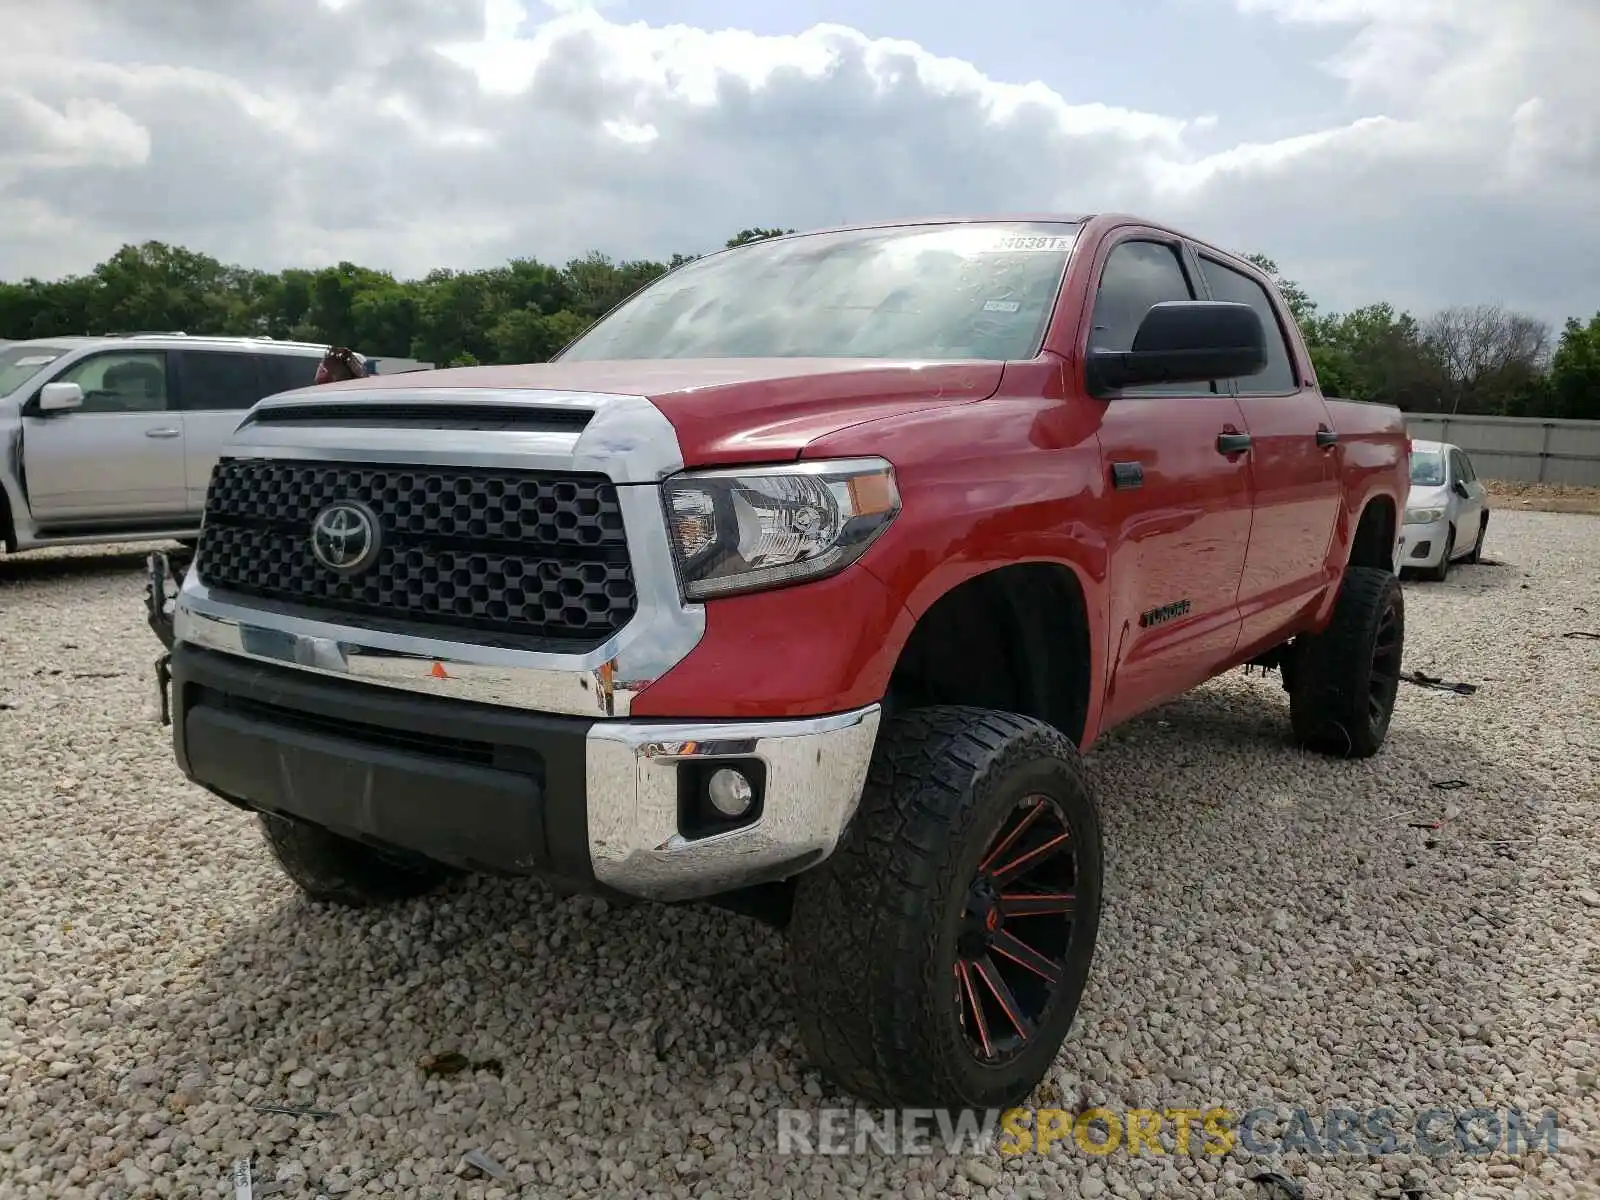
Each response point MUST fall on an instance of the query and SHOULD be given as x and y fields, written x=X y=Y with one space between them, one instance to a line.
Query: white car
x=112 y=439
x=1447 y=513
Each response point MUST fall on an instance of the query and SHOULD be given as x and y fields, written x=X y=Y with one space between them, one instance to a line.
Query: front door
x=118 y=459
x=1294 y=474
x=1179 y=500
x=1469 y=502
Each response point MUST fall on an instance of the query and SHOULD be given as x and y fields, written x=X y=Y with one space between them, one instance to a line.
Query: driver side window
x=1137 y=276
x=120 y=382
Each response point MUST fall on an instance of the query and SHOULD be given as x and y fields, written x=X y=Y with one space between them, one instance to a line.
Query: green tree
x=1574 y=381
x=1294 y=296
x=525 y=335
x=754 y=235
x=1472 y=358
x=1385 y=356
x=154 y=286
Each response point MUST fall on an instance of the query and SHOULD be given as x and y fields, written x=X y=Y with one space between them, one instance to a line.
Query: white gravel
x=1277 y=933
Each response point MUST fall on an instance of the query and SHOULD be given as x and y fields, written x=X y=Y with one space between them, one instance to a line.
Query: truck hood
x=730 y=411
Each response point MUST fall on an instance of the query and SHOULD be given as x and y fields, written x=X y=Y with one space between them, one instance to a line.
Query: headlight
x=1423 y=516
x=745 y=529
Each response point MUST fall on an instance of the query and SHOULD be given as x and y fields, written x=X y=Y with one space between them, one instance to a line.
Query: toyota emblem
x=344 y=537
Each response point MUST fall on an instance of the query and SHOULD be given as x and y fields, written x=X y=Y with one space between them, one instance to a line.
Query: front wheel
x=1347 y=676
x=1477 y=547
x=1441 y=572
x=940 y=953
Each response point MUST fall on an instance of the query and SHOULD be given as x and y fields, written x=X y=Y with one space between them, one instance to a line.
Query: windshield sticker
x=1029 y=243
x=1005 y=306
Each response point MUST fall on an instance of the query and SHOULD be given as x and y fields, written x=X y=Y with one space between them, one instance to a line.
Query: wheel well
x=1014 y=639
x=1373 y=545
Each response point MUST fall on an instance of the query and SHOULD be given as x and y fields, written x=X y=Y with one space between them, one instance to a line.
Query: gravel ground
x=1277 y=934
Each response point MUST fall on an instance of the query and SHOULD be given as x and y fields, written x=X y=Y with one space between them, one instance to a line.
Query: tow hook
x=160 y=620
x=155 y=597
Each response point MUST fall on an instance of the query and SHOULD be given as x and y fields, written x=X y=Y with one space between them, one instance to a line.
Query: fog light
x=730 y=792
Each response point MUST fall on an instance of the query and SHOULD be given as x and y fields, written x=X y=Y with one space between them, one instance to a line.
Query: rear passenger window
x=286 y=372
x=1138 y=276
x=213 y=380
x=1228 y=284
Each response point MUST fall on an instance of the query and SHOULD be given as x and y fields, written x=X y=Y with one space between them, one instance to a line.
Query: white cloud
x=81 y=133
x=417 y=133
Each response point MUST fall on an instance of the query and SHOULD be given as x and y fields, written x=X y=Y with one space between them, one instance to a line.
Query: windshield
x=1427 y=468
x=20 y=363
x=972 y=291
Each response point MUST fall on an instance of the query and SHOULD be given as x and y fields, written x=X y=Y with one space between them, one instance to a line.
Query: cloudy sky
x=1430 y=152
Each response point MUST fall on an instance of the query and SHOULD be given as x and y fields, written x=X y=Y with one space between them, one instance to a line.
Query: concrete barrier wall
x=1527 y=449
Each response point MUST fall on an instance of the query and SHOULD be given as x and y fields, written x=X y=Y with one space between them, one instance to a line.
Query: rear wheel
x=1346 y=677
x=940 y=953
x=336 y=870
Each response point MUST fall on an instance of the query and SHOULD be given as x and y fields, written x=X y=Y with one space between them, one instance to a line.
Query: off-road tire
x=1476 y=556
x=873 y=930
x=1341 y=701
x=335 y=870
x=1441 y=572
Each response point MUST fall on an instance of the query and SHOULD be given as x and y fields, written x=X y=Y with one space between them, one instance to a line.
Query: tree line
x=1478 y=358
x=1467 y=359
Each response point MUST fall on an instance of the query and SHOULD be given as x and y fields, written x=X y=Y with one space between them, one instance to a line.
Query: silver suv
x=112 y=439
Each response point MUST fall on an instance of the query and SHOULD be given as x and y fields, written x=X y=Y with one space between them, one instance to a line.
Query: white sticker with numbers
x=1038 y=243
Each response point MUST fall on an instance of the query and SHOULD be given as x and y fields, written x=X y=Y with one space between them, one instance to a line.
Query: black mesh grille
x=499 y=551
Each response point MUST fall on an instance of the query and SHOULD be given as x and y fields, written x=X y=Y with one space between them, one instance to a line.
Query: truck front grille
x=515 y=552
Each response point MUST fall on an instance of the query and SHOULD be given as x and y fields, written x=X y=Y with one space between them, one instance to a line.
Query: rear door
x=1178 y=495
x=118 y=460
x=216 y=389
x=1294 y=470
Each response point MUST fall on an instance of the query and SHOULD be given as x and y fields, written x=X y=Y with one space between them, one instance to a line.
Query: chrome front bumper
x=579 y=799
x=815 y=771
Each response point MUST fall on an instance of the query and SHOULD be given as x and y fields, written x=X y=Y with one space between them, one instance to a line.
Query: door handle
x=1326 y=437
x=161 y=433
x=1233 y=443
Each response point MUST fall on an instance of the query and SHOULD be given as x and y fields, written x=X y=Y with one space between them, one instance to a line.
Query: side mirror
x=1460 y=489
x=60 y=397
x=1185 y=341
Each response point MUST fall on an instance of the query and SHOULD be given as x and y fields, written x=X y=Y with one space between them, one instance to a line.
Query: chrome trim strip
x=816 y=769
x=629 y=440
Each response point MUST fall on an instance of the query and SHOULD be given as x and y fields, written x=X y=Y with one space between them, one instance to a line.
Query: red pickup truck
x=799 y=583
